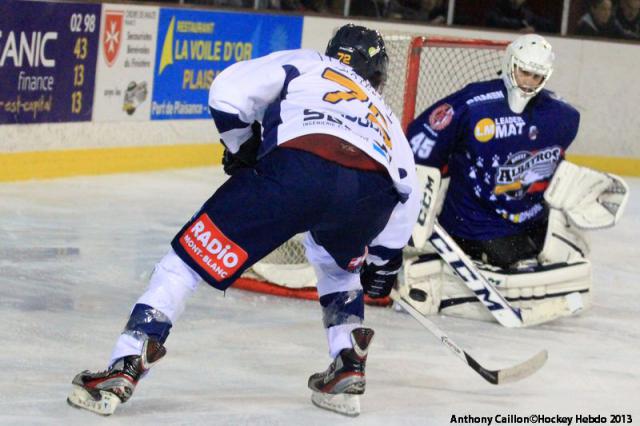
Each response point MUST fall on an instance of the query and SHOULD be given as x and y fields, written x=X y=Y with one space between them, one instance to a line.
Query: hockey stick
x=486 y=293
x=496 y=377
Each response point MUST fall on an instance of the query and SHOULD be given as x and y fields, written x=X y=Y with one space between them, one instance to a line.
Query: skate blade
x=105 y=406
x=341 y=403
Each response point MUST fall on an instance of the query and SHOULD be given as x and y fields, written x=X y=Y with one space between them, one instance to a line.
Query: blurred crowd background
x=618 y=19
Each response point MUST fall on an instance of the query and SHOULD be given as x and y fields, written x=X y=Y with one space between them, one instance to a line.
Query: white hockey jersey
x=300 y=92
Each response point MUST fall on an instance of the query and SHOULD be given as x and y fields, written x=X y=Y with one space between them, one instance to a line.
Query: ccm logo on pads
x=211 y=249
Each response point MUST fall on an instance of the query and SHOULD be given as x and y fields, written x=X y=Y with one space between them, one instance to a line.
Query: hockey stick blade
x=506 y=314
x=496 y=377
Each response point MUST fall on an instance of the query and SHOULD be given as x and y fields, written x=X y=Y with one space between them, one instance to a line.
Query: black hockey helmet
x=362 y=49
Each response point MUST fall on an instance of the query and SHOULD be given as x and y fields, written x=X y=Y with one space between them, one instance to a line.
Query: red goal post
x=422 y=69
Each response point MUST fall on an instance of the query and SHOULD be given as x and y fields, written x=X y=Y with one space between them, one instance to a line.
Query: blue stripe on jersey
x=379 y=150
x=272 y=117
x=226 y=121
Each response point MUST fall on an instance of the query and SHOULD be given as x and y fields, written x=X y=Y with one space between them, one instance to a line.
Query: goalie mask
x=362 y=49
x=530 y=53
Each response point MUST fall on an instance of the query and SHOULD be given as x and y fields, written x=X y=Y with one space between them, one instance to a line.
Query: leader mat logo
x=500 y=128
x=211 y=249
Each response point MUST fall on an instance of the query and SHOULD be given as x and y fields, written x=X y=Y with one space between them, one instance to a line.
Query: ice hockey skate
x=338 y=388
x=104 y=391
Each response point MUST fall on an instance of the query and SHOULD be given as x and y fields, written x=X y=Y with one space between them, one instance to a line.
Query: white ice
x=75 y=254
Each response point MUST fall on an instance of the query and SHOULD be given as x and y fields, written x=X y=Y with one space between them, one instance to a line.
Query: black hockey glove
x=377 y=281
x=246 y=155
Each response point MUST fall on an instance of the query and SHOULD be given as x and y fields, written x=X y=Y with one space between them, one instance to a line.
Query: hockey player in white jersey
x=513 y=203
x=310 y=147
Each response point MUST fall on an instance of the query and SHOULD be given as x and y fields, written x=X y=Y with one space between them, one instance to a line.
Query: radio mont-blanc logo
x=112 y=35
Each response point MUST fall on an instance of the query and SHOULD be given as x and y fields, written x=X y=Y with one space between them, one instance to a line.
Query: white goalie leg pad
x=590 y=199
x=286 y=266
x=563 y=241
x=429 y=286
x=420 y=283
x=431 y=203
x=523 y=289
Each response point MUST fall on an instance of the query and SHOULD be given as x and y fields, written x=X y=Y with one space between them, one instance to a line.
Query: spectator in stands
x=319 y=6
x=231 y=3
x=432 y=12
x=516 y=15
x=217 y=3
x=285 y=5
x=371 y=8
x=628 y=17
x=599 y=22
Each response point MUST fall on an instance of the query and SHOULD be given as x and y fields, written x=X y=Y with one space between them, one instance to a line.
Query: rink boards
x=107 y=88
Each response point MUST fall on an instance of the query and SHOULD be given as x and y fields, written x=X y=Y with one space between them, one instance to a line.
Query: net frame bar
x=416 y=47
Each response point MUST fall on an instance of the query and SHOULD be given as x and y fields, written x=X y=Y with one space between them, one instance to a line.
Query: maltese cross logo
x=112 y=36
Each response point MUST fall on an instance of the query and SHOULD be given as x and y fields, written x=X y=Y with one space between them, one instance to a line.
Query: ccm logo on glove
x=211 y=249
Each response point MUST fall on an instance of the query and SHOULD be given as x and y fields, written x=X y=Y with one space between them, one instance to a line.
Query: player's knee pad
x=343 y=307
x=564 y=243
x=146 y=321
x=342 y=312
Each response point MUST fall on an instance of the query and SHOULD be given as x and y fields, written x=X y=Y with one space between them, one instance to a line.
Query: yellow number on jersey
x=355 y=91
x=345 y=58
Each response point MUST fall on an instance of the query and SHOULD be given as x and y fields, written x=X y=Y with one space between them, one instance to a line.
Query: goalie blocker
x=580 y=199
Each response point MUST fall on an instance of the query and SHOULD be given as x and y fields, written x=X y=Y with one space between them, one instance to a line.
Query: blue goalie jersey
x=499 y=162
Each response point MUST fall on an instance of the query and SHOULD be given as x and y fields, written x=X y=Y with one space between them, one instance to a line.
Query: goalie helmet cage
x=422 y=70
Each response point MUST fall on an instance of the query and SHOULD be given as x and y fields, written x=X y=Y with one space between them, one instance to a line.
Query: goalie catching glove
x=246 y=157
x=378 y=280
x=590 y=199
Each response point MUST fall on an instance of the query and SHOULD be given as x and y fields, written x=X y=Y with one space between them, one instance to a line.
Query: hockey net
x=422 y=69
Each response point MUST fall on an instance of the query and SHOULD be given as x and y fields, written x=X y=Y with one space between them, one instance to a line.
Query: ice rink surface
x=76 y=253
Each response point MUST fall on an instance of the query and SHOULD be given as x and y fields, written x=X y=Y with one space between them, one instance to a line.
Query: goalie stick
x=496 y=377
x=491 y=298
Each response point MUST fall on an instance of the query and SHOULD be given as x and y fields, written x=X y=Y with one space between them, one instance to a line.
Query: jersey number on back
x=354 y=91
